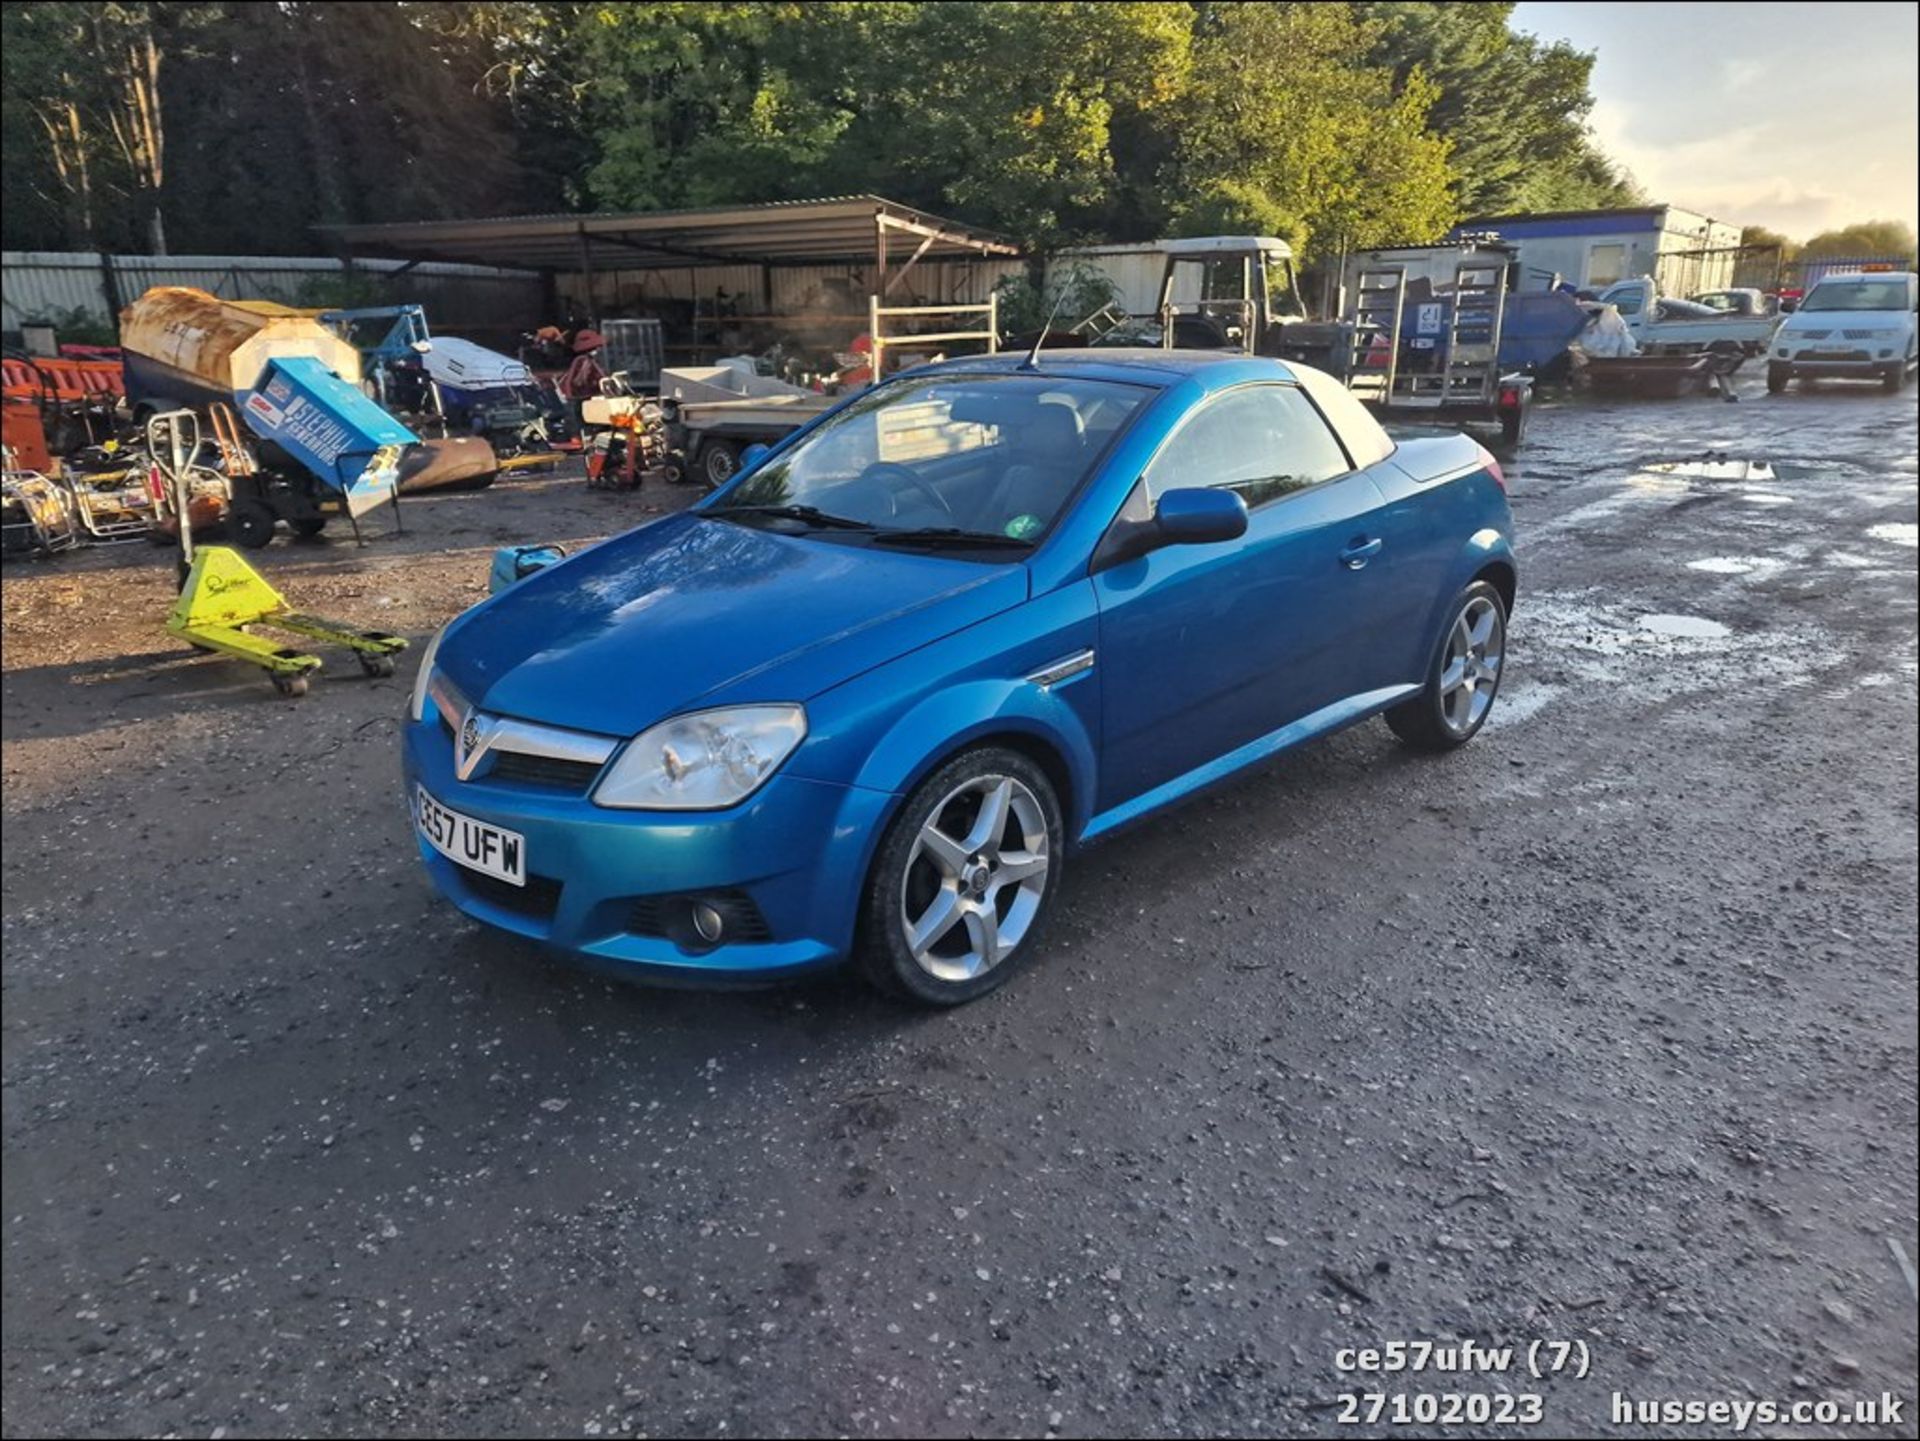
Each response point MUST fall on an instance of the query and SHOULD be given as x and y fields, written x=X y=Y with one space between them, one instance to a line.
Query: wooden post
x=873 y=333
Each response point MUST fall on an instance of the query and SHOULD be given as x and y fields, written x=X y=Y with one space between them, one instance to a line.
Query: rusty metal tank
x=188 y=347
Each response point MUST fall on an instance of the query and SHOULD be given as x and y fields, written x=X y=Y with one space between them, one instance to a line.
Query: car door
x=1205 y=648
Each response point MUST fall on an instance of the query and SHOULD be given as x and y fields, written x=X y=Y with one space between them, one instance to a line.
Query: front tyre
x=963 y=880
x=1464 y=676
x=1777 y=377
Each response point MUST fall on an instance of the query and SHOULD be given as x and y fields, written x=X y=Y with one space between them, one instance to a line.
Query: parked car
x=864 y=700
x=1855 y=326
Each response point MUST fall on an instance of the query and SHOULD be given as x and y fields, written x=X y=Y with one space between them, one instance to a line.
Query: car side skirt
x=1328 y=718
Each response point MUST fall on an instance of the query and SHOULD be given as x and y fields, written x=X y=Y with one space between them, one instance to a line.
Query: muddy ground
x=1602 y=1029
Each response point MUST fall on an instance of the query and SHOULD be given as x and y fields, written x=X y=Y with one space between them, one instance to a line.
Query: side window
x=1264 y=441
x=1606 y=264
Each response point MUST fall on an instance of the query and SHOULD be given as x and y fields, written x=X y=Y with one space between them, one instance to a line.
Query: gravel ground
x=1602 y=1029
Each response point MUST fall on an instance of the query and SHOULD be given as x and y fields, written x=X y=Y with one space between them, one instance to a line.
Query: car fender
x=1482 y=548
x=961 y=715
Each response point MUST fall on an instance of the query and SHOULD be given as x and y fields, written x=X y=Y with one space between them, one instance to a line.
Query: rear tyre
x=1513 y=426
x=308 y=526
x=1777 y=378
x=250 y=523
x=719 y=459
x=1463 y=677
x=964 y=878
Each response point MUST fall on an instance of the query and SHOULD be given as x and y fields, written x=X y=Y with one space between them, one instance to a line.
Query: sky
x=1801 y=117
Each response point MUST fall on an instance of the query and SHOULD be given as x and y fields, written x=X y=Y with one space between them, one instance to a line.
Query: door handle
x=1356 y=555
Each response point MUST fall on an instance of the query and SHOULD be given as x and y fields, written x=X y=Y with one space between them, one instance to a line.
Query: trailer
x=1437 y=333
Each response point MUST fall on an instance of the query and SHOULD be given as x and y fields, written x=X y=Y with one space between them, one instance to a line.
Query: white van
x=1858 y=325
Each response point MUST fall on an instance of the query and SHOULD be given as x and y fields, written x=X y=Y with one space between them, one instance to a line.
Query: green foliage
x=1290 y=134
x=80 y=326
x=1513 y=108
x=1073 y=291
x=1870 y=239
x=1057 y=121
x=1758 y=237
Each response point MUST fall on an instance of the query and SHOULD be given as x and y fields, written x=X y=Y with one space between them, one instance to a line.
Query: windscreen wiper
x=808 y=514
x=951 y=535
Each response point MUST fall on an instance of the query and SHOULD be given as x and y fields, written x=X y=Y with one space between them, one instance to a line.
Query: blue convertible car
x=864 y=701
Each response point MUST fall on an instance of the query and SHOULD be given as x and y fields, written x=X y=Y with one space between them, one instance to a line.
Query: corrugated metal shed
x=41 y=284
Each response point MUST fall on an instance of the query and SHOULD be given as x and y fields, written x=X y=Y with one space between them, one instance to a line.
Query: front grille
x=538 y=899
x=1858 y=334
x=1815 y=334
x=671 y=917
x=549 y=771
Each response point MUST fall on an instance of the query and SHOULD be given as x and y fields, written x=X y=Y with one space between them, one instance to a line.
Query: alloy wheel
x=1475 y=647
x=975 y=878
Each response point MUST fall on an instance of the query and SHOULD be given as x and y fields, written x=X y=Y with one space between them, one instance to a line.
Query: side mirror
x=751 y=456
x=1200 y=516
x=1788 y=305
x=1193 y=516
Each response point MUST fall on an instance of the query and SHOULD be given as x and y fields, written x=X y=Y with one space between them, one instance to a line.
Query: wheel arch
x=1503 y=577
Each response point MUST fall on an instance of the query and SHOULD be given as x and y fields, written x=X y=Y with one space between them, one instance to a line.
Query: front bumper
x=1858 y=365
x=796 y=851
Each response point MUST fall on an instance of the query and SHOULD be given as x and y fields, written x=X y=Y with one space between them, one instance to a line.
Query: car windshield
x=943 y=458
x=1857 y=295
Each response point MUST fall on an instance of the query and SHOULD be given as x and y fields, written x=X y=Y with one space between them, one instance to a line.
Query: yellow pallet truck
x=222 y=597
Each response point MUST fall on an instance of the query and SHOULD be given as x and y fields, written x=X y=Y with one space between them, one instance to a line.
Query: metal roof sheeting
x=781 y=232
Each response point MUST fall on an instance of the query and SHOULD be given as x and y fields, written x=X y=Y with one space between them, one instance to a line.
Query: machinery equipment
x=452 y=386
x=222 y=598
x=34 y=514
x=322 y=447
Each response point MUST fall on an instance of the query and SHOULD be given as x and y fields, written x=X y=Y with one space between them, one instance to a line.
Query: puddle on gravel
x=1690 y=627
x=1896 y=532
x=1593 y=648
x=1733 y=564
x=1765 y=497
x=1716 y=466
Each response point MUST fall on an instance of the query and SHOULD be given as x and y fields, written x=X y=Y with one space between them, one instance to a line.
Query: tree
x=54 y=156
x=1758 y=237
x=1513 y=108
x=1866 y=240
x=1280 y=125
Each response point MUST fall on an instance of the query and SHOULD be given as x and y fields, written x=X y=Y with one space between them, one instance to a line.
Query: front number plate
x=474 y=844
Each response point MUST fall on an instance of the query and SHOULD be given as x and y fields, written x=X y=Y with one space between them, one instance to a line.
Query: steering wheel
x=891 y=474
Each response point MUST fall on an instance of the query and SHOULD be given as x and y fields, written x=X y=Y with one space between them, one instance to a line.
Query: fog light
x=707 y=923
x=1886 y=355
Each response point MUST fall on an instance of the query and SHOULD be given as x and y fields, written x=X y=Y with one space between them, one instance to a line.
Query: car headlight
x=703 y=761
x=417 y=707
